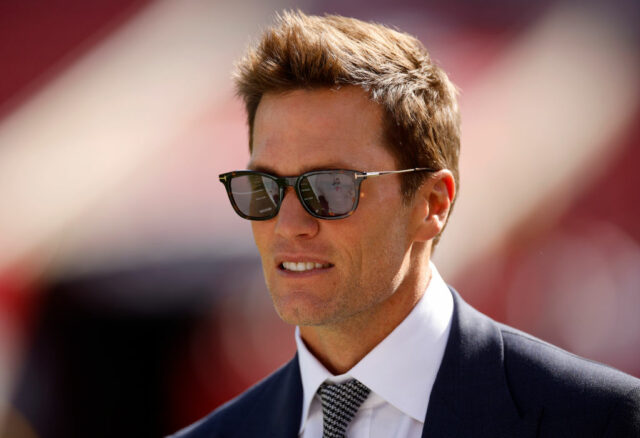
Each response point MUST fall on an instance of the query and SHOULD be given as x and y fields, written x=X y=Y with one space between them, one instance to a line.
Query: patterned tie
x=339 y=405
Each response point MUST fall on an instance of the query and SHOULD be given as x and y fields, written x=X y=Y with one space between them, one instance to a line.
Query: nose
x=293 y=221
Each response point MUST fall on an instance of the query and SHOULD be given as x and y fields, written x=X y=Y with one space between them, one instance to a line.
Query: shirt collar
x=403 y=367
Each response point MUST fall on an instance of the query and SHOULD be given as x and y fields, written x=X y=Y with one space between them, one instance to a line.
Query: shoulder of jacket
x=563 y=382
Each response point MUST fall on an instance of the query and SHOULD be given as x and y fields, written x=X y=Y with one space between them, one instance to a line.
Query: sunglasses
x=325 y=194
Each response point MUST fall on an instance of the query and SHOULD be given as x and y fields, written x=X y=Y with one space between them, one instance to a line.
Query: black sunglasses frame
x=295 y=181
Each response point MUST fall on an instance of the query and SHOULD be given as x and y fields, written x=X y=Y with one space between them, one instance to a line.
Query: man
x=354 y=139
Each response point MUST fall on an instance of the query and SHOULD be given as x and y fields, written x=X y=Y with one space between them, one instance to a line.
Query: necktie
x=339 y=405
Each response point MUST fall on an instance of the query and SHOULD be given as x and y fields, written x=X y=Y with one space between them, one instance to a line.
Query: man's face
x=359 y=262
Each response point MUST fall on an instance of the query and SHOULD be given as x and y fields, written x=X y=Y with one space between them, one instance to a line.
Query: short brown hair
x=301 y=51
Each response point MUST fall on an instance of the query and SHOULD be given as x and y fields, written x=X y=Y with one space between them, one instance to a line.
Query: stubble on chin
x=296 y=310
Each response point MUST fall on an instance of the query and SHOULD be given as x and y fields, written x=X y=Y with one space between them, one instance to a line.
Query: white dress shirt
x=400 y=371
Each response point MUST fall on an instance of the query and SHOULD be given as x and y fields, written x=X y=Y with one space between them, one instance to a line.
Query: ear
x=432 y=204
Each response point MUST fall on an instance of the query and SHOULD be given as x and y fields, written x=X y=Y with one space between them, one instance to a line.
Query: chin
x=299 y=312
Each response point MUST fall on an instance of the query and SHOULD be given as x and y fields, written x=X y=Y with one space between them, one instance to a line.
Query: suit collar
x=471 y=395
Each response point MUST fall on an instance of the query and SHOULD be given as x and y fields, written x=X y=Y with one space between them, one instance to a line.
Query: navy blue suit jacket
x=494 y=381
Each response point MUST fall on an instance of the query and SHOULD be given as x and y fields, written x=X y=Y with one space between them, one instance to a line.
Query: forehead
x=321 y=128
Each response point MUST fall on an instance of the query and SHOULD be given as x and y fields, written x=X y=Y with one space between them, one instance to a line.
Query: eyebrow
x=261 y=168
x=326 y=166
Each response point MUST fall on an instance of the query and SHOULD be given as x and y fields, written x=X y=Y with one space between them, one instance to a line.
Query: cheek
x=385 y=245
x=261 y=232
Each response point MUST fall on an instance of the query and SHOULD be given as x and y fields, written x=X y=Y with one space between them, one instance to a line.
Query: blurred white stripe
x=103 y=118
x=538 y=127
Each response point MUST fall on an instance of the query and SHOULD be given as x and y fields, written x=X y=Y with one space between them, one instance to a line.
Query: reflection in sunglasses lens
x=329 y=194
x=255 y=195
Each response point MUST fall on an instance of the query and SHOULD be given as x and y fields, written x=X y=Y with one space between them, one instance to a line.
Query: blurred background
x=131 y=296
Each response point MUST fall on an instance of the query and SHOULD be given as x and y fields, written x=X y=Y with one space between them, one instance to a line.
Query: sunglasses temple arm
x=387 y=172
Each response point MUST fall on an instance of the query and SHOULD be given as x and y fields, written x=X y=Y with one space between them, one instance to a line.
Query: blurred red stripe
x=39 y=39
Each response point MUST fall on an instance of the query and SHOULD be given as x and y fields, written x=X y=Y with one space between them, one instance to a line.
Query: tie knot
x=340 y=402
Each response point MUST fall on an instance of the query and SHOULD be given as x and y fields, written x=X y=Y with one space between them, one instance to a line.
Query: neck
x=340 y=346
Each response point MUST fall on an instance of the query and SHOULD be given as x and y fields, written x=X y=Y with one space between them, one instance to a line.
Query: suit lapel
x=279 y=406
x=287 y=406
x=470 y=396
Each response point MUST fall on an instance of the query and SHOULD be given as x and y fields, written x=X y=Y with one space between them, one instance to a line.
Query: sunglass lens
x=329 y=194
x=256 y=196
